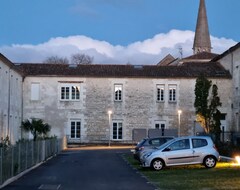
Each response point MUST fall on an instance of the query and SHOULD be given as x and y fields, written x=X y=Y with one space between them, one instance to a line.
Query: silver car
x=149 y=143
x=183 y=151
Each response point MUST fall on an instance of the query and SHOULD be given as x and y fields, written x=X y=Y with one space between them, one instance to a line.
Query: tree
x=207 y=105
x=36 y=126
x=56 y=60
x=79 y=58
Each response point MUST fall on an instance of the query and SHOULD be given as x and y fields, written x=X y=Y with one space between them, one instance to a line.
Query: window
x=197 y=143
x=160 y=126
x=180 y=145
x=35 y=91
x=75 y=129
x=70 y=92
x=118 y=92
x=160 y=93
x=172 y=93
x=117 y=131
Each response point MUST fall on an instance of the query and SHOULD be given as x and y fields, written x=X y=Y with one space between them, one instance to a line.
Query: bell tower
x=202 y=41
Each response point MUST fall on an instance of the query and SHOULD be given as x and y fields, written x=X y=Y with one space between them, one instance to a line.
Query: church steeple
x=202 y=41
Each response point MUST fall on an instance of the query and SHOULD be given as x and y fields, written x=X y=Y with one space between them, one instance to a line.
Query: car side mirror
x=167 y=149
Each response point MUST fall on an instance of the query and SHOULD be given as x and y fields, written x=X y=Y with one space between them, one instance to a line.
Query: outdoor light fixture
x=238 y=159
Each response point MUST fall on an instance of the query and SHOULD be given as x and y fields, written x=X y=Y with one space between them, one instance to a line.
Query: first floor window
x=70 y=92
x=172 y=93
x=35 y=91
x=160 y=93
x=118 y=92
x=75 y=129
x=117 y=130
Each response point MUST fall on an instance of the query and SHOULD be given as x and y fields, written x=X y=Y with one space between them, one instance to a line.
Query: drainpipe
x=22 y=107
x=9 y=104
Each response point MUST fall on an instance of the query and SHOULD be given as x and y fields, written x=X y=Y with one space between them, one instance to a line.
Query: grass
x=223 y=176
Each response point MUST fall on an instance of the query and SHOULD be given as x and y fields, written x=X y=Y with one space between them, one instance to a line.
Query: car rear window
x=197 y=143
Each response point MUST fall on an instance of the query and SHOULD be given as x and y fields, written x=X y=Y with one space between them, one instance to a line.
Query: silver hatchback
x=183 y=151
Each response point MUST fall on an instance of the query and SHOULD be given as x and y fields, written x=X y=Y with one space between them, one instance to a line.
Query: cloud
x=149 y=51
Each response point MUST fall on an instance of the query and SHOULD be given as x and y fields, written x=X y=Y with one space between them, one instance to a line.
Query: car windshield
x=141 y=142
x=165 y=144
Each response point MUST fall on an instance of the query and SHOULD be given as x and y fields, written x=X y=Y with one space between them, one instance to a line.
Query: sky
x=111 y=31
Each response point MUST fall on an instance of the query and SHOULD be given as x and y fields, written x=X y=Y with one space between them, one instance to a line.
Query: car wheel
x=157 y=164
x=210 y=162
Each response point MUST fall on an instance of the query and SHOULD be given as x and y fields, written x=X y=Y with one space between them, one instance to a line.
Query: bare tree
x=56 y=60
x=79 y=58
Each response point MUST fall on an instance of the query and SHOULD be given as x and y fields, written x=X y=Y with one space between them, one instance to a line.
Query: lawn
x=194 y=177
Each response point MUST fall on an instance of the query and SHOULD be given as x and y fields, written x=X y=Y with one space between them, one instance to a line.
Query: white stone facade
x=138 y=107
x=231 y=61
x=10 y=101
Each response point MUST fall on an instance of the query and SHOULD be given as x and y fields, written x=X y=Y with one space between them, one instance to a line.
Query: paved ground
x=85 y=169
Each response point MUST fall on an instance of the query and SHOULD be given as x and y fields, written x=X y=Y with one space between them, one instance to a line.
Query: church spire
x=202 y=41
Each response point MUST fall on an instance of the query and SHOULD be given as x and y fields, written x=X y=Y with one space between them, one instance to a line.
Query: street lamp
x=109 y=120
x=179 y=122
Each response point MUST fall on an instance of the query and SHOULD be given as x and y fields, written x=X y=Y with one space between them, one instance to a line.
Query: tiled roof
x=186 y=70
x=230 y=50
x=200 y=56
x=8 y=63
x=166 y=60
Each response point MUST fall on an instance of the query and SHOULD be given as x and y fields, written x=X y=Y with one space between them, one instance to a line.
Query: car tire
x=210 y=162
x=157 y=164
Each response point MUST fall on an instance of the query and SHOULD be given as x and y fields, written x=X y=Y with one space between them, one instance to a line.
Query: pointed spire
x=202 y=41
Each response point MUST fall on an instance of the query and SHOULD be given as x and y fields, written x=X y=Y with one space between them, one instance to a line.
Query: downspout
x=22 y=107
x=9 y=104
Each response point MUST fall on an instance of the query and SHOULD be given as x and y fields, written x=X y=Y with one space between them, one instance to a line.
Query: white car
x=183 y=151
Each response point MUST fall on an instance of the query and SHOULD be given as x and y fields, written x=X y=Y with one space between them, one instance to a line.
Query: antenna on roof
x=180 y=49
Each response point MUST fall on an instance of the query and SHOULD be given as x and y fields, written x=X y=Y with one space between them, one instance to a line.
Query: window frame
x=118 y=130
x=160 y=88
x=76 y=130
x=118 y=94
x=172 y=93
x=67 y=92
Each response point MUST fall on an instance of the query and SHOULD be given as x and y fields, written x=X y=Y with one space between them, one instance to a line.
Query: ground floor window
x=161 y=125
x=75 y=129
x=117 y=130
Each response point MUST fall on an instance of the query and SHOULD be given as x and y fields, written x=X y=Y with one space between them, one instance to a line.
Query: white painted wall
x=10 y=102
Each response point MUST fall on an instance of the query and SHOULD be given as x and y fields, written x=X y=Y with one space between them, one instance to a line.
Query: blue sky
x=32 y=30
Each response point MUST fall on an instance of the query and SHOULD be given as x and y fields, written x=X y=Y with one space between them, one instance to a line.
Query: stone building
x=76 y=99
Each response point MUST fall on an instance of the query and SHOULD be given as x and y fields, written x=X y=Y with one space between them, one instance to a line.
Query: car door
x=179 y=152
x=199 y=148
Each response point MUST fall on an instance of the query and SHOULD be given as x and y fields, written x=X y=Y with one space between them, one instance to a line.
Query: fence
x=22 y=156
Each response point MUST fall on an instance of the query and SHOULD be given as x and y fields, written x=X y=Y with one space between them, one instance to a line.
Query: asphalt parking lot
x=87 y=168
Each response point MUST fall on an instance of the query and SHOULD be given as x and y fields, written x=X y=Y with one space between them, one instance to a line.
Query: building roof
x=166 y=60
x=200 y=57
x=186 y=70
x=227 y=52
x=7 y=62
